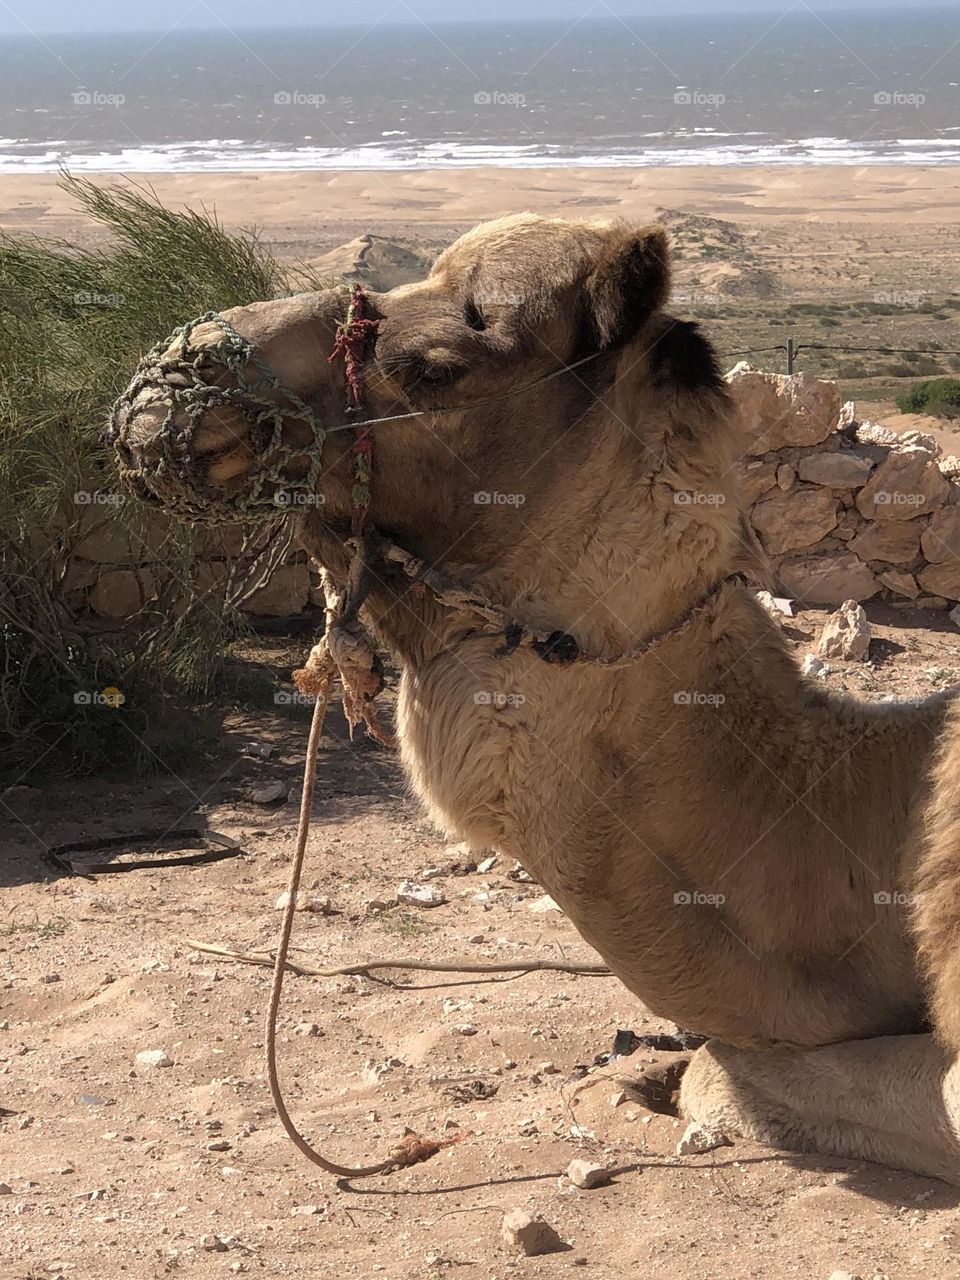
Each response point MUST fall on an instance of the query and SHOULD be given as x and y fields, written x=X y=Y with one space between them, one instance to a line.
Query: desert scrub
x=73 y=323
x=937 y=396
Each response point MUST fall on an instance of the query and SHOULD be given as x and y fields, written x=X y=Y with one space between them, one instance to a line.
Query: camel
x=756 y=858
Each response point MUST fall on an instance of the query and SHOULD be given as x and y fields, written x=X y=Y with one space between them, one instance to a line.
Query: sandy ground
x=119 y=1170
x=299 y=206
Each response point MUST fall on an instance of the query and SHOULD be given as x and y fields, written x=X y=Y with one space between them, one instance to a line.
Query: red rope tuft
x=354 y=335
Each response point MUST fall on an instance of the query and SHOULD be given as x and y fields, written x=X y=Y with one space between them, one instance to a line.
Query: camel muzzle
x=211 y=434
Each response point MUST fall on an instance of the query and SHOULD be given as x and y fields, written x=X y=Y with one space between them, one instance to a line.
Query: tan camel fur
x=740 y=845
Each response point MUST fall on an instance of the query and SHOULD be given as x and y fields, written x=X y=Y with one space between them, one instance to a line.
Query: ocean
x=853 y=88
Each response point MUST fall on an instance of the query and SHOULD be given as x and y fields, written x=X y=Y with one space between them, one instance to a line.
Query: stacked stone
x=845 y=510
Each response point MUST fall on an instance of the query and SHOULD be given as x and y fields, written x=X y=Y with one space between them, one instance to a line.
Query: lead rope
x=353 y=337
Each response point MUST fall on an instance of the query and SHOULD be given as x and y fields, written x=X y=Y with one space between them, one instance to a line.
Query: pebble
x=213 y=1244
x=543 y=904
x=698 y=1139
x=6 y=1189
x=586 y=1175
x=843 y=1275
x=50 y=977
x=153 y=1058
x=269 y=793
x=307 y=1029
x=221 y=1144
x=529 y=1235
x=812 y=666
x=320 y=904
x=466 y=1029
x=487 y=864
x=419 y=895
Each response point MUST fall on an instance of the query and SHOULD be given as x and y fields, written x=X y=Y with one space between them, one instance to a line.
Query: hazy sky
x=47 y=16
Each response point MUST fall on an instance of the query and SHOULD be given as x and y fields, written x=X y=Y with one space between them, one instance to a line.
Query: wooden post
x=790 y=355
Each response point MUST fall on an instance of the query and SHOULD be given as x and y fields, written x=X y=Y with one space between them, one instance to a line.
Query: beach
x=308 y=212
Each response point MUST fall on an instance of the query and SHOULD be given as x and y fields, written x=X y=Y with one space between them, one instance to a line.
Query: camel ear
x=627 y=283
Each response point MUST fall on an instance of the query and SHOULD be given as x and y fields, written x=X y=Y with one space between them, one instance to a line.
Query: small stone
x=528 y=1235
x=220 y=1144
x=269 y=793
x=213 y=1244
x=431 y=873
x=477 y=938
x=487 y=865
x=812 y=666
x=954 y=615
x=466 y=1029
x=419 y=895
x=259 y=750
x=843 y=1275
x=586 y=1175
x=698 y=1139
x=5 y=1189
x=153 y=1058
x=846 y=634
x=376 y=906
x=776 y=606
x=543 y=904
x=50 y=977
x=307 y=1029
x=548 y=1069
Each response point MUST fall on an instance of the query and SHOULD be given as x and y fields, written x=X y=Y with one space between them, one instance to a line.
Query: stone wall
x=845 y=509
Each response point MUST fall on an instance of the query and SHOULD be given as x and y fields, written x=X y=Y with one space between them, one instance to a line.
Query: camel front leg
x=894 y=1100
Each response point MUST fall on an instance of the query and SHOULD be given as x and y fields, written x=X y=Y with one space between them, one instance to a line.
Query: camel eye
x=436 y=375
x=474 y=317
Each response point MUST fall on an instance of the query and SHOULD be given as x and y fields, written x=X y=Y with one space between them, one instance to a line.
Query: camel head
x=559 y=412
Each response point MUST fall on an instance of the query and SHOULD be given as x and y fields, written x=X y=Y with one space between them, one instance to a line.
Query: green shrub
x=937 y=396
x=73 y=323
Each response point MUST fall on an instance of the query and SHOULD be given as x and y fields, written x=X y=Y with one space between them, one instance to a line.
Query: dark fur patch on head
x=681 y=357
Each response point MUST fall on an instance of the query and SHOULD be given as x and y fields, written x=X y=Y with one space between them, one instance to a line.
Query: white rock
x=318 y=903
x=529 y=1235
x=307 y=1029
x=259 y=750
x=846 y=634
x=543 y=904
x=812 y=666
x=269 y=793
x=586 y=1175
x=153 y=1058
x=419 y=895
x=776 y=606
x=465 y=1029
x=698 y=1139
x=431 y=873
x=487 y=864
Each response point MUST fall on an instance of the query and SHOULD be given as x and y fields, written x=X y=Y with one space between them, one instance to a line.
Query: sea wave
x=235 y=155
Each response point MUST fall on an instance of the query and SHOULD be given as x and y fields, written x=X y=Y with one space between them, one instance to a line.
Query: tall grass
x=73 y=322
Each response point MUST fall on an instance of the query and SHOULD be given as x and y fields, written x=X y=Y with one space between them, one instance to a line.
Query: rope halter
x=186 y=381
